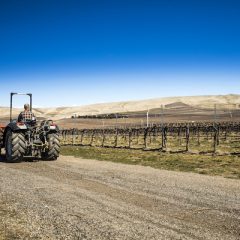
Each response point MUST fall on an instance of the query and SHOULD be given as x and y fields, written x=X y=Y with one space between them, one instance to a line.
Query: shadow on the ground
x=26 y=159
x=2 y=158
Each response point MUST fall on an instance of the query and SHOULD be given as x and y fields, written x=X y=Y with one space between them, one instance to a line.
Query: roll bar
x=11 y=97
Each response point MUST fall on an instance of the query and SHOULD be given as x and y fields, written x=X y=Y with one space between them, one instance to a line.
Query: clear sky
x=75 y=52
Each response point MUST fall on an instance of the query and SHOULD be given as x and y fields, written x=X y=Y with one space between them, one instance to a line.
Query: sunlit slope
x=133 y=106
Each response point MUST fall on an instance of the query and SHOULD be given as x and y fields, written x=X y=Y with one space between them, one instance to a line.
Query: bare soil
x=73 y=198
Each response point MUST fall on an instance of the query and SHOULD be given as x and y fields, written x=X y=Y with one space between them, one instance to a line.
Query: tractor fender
x=53 y=129
x=14 y=128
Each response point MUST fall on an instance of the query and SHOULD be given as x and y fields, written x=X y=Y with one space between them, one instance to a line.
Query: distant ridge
x=232 y=100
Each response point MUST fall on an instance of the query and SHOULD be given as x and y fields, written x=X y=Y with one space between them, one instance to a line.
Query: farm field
x=196 y=138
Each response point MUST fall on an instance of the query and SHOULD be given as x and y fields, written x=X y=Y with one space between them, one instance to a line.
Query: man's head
x=26 y=107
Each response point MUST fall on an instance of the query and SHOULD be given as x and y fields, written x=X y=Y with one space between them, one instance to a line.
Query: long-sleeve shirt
x=26 y=116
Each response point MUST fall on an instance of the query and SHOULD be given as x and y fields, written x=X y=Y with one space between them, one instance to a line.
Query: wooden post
x=164 y=138
x=145 y=137
x=73 y=137
x=82 y=137
x=179 y=136
x=129 y=138
x=92 y=137
x=215 y=140
x=137 y=136
x=218 y=132
x=116 y=138
x=225 y=135
x=198 y=135
x=150 y=137
x=103 y=138
x=187 y=138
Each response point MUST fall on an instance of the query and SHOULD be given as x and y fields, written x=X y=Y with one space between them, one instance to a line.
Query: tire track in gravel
x=103 y=200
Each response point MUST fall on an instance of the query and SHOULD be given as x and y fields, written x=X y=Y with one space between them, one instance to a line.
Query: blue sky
x=80 y=52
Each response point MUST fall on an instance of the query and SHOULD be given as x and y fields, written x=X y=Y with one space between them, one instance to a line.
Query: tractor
x=29 y=138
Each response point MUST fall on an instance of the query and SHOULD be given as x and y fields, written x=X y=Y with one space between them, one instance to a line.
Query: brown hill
x=229 y=101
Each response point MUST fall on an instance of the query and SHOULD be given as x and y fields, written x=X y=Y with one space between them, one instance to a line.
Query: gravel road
x=86 y=199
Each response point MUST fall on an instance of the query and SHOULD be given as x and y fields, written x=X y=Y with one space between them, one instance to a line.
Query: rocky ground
x=86 y=199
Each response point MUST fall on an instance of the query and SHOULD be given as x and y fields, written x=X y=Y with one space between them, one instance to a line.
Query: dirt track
x=86 y=199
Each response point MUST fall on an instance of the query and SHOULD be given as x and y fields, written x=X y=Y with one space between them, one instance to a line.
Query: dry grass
x=226 y=166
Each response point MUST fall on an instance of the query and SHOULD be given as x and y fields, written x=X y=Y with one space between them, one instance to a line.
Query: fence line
x=185 y=137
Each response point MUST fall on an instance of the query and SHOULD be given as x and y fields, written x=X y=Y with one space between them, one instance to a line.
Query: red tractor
x=29 y=139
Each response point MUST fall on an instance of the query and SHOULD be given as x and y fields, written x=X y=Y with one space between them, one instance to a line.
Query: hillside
x=133 y=106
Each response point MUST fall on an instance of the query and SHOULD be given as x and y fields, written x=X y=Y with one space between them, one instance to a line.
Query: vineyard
x=195 y=138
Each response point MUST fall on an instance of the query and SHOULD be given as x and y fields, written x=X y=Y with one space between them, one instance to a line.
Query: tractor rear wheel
x=1 y=140
x=15 y=146
x=53 y=147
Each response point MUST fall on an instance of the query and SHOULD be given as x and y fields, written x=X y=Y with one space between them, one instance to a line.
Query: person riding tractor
x=27 y=116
